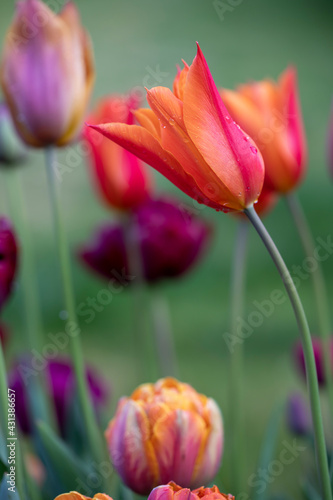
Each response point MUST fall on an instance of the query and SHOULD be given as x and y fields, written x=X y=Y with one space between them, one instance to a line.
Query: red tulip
x=121 y=178
x=189 y=137
x=271 y=114
x=47 y=73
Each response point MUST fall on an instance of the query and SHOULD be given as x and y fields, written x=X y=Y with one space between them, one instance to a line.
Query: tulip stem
x=143 y=341
x=310 y=365
x=323 y=315
x=163 y=335
x=237 y=354
x=93 y=434
x=31 y=305
x=3 y=393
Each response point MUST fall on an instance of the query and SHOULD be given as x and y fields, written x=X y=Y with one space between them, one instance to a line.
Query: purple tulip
x=8 y=259
x=298 y=415
x=319 y=358
x=170 y=240
x=61 y=379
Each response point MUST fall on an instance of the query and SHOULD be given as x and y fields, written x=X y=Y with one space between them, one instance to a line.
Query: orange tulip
x=270 y=113
x=165 y=431
x=189 y=137
x=74 y=495
x=47 y=73
x=172 y=491
x=121 y=178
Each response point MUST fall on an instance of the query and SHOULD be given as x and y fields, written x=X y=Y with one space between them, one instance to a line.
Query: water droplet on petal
x=254 y=150
x=172 y=122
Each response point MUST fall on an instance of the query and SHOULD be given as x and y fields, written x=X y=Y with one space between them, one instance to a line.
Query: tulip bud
x=74 y=495
x=172 y=491
x=47 y=73
x=317 y=344
x=121 y=178
x=8 y=259
x=298 y=415
x=165 y=431
x=170 y=239
x=12 y=149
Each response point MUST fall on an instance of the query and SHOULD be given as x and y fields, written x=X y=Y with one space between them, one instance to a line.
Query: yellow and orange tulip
x=189 y=137
x=270 y=113
x=165 y=432
x=74 y=495
x=47 y=73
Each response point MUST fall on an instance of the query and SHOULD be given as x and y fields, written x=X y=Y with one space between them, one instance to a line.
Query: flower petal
x=145 y=146
x=222 y=143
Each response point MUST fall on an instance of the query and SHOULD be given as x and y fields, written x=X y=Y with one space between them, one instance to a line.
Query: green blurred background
x=256 y=39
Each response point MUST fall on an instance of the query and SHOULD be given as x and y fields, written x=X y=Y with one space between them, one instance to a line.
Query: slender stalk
x=165 y=348
x=93 y=434
x=3 y=393
x=237 y=355
x=29 y=286
x=323 y=314
x=33 y=316
x=310 y=364
x=142 y=343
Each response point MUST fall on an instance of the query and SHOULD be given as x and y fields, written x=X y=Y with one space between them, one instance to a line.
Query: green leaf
x=66 y=465
x=268 y=446
x=5 y=493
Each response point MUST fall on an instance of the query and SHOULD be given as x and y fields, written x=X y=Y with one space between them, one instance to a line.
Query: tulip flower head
x=171 y=242
x=172 y=491
x=165 y=431
x=12 y=149
x=74 y=495
x=47 y=73
x=317 y=344
x=188 y=136
x=61 y=387
x=298 y=415
x=271 y=114
x=121 y=178
x=8 y=259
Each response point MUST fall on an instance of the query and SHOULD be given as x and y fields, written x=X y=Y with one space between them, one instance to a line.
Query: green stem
x=93 y=435
x=31 y=305
x=237 y=355
x=310 y=364
x=3 y=393
x=142 y=343
x=323 y=314
x=164 y=341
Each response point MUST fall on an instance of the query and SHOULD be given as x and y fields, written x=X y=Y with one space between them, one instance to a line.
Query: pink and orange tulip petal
x=120 y=177
x=188 y=136
x=47 y=73
x=271 y=114
x=165 y=431
x=172 y=491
